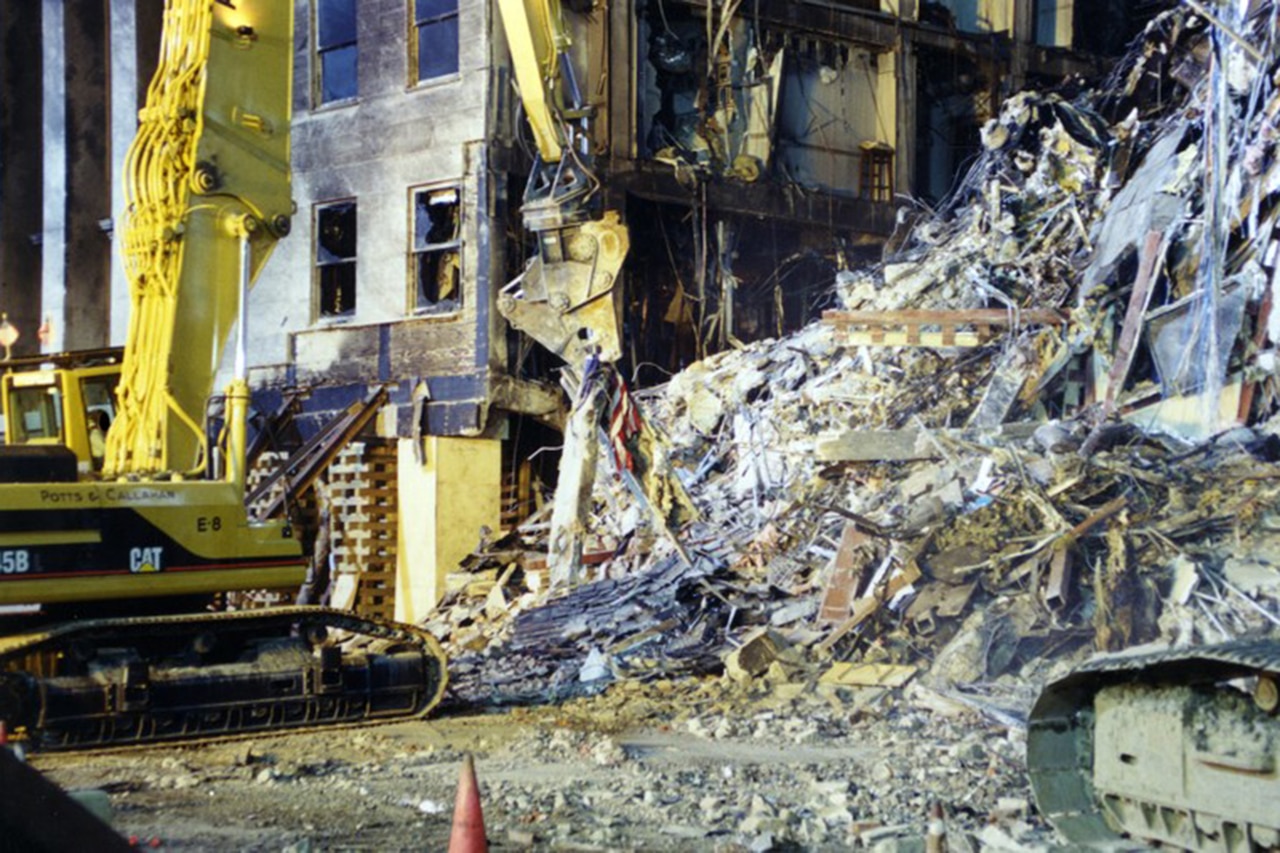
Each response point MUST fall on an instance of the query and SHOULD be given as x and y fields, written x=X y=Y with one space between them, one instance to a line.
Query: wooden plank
x=878 y=337
x=907 y=327
x=970 y=316
x=1134 y=317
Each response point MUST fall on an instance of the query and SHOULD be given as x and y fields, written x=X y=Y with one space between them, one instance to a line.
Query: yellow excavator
x=105 y=541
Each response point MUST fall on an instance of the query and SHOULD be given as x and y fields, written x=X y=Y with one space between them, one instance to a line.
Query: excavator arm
x=208 y=195
x=567 y=296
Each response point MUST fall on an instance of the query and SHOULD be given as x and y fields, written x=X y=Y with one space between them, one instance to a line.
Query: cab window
x=99 y=395
x=36 y=412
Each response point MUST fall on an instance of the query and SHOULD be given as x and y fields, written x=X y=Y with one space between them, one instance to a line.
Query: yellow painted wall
x=886 y=95
x=999 y=15
x=1064 y=29
x=900 y=8
x=444 y=501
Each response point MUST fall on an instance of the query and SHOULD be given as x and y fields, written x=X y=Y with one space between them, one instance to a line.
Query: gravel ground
x=662 y=766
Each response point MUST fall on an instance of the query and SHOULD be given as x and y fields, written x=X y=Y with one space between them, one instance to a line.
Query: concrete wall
x=447 y=490
x=374 y=150
x=828 y=111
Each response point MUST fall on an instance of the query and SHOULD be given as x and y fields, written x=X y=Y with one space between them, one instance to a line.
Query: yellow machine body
x=144 y=512
x=110 y=553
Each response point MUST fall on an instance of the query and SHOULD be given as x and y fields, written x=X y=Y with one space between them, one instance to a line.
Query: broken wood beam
x=933 y=328
x=1094 y=518
x=864 y=607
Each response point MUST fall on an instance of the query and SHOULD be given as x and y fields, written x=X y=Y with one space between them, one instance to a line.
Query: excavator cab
x=52 y=405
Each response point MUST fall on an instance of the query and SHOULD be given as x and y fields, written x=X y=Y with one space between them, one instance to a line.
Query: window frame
x=318 y=264
x=44 y=401
x=418 y=307
x=414 y=42
x=317 y=59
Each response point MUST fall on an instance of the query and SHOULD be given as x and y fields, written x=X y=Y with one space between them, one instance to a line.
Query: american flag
x=624 y=422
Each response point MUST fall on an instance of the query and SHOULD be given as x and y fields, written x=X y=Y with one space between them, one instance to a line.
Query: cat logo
x=145 y=559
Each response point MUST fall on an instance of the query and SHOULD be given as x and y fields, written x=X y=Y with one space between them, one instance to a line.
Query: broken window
x=875 y=179
x=434 y=39
x=437 y=251
x=335 y=59
x=336 y=259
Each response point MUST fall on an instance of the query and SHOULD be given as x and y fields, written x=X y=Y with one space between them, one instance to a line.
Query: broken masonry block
x=758 y=651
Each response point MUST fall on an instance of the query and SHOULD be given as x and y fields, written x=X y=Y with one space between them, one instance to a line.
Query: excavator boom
x=207 y=195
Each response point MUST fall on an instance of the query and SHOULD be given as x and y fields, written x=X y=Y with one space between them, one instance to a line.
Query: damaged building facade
x=753 y=150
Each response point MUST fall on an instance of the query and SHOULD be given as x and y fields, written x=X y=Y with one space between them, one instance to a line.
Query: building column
x=22 y=158
x=125 y=86
x=87 y=217
x=1064 y=29
x=1024 y=36
x=448 y=490
x=53 y=232
x=904 y=93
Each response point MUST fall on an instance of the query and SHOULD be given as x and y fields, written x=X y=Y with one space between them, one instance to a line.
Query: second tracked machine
x=1178 y=748
x=107 y=565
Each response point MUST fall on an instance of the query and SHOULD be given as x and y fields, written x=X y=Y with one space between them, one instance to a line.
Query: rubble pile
x=1042 y=427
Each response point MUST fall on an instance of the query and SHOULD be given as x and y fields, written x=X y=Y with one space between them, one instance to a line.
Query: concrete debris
x=1044 y=427
x=759 y=652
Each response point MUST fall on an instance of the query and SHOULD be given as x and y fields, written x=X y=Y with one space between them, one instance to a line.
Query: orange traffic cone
x=468 y=819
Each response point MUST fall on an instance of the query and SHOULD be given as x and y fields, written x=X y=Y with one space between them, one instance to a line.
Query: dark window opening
x=434 y=38
x=437 y=251
x=335 y=50
x=336 y=259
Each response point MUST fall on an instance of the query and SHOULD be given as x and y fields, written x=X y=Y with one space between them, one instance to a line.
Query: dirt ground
x=609 y=773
